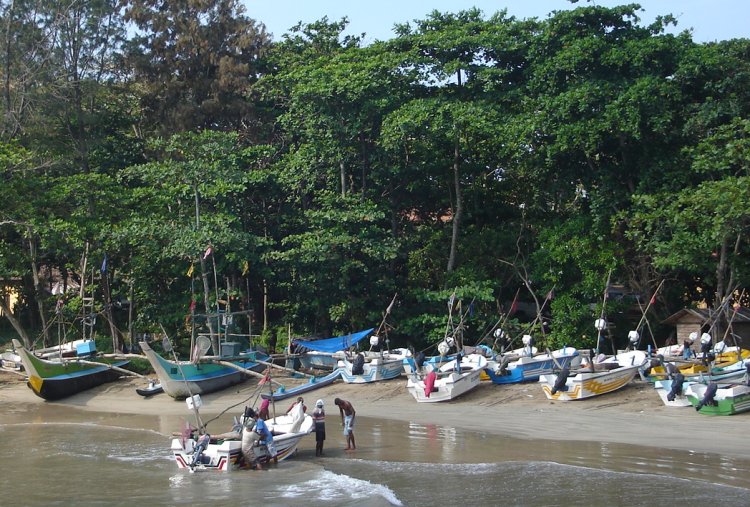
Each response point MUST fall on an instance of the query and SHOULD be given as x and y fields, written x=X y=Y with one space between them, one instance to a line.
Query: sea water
x=66 y=457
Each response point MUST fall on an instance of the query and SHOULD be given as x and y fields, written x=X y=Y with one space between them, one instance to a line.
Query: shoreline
x=633 y=415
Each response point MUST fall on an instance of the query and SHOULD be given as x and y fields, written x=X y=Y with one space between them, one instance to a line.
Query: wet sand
x=632 y=416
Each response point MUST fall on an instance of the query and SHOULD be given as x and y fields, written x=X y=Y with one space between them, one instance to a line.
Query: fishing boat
x=313 y=383
x=449 y=381
x=324 y=354
x=57 y=379
x=718 y=398
x=672 y=390
x=528 y=368
x=595 y=379
x=239 y=449
x=363 y=370
x=11 y=360
x=182 y=379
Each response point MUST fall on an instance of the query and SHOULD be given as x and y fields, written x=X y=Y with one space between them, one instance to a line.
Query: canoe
x=54 y=380
x=313 y=383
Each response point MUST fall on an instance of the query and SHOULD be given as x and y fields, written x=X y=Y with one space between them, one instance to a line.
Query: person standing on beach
x=319 y=418
x=347 y=421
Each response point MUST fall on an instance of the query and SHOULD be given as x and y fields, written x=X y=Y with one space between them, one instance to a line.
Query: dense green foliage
x=310 y=179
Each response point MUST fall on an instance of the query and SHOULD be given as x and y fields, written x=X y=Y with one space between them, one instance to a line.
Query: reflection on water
x=92 y=459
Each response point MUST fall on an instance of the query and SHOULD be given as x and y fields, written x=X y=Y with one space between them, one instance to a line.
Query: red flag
x=551 y=295
x=653 y=299
x=266 y=378
x=209 y=251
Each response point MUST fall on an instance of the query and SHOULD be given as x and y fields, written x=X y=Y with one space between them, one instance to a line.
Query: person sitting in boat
x=300 y=400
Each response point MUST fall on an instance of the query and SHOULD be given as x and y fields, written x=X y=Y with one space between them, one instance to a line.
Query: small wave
x=334 y=488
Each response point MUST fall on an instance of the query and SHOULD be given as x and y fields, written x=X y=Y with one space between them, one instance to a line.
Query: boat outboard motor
x=200 y=445
x=420 y=359
x=747 y=373
x=655 y=362
x=358 y=366
x=708 y=397
x=560 y=381
x=677 y=383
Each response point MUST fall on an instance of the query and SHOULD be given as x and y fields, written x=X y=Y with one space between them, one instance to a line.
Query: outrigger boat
x=182 y=379
x=599 y=378
x=239 y=449
x=54 y=380
x=449 y=381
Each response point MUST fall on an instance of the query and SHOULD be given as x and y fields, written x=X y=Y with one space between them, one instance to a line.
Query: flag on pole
x=653 y=299
x=190 y=269
x=209 y=251
x=104 y=264
x=245 y=268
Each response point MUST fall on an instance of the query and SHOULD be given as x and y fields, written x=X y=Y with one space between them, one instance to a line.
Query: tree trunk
x=457 y=212
x=15 y=323
x=37 y=290
x=342 y=172
x=204 y=277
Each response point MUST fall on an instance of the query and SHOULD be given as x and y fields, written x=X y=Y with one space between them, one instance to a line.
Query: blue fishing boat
x=313 y=383
x=530 y=368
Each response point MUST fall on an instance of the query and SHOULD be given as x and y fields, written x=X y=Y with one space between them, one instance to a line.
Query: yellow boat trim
x=36 y=383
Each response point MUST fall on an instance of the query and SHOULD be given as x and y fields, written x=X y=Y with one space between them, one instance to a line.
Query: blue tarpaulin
x=335 y=344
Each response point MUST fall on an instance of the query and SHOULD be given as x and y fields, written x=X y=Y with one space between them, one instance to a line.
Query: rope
x=255 y=393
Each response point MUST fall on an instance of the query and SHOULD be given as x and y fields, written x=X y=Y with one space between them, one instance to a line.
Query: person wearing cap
x=319 y=418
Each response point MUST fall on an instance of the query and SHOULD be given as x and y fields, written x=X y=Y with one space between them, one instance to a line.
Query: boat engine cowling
x=709 y=396
x=560 y=381
x=676 y=389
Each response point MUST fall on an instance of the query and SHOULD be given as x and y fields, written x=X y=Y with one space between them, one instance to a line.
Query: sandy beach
x=633 y=415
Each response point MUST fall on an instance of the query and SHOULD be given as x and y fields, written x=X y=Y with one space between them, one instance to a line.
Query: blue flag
x=104 y=264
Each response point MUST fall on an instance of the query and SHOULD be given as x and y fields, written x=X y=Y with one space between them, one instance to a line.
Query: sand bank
x=634 y=415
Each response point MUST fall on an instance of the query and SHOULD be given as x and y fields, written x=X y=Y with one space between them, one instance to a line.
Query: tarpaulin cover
x=335 y=344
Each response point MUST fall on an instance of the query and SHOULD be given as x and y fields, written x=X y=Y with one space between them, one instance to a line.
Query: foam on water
x=336 y=488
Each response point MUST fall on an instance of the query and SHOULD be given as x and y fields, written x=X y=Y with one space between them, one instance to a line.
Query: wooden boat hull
x=182 y=379
x=729 y=400
x=375 y=370
x=450 y=384
x=587 y=385
x=527 y=369
x=55 y=380
x=312 y=384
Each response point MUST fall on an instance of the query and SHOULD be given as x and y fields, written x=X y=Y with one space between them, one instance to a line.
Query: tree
x=195 y=61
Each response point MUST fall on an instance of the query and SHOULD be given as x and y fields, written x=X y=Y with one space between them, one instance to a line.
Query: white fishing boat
x=240 y=448
x=449 y=381
x=594 y=378
x=363 y=370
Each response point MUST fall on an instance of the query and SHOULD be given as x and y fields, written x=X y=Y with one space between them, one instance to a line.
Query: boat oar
x=110 y=366
x=239 y=368
x=276 y=366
